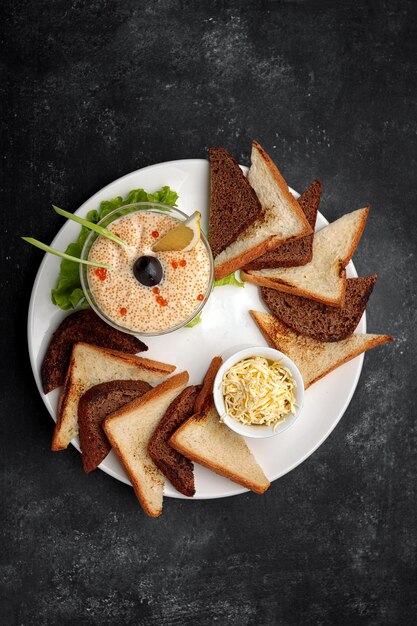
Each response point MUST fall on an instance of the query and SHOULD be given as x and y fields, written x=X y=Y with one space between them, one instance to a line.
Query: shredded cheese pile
x=258 y=391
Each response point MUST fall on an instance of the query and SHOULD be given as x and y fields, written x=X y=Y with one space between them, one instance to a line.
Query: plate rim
x=239 y=489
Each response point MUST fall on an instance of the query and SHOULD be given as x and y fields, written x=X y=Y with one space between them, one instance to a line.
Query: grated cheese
x=258 y=391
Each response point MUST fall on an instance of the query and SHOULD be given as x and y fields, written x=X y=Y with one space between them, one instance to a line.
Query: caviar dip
x=146 y=292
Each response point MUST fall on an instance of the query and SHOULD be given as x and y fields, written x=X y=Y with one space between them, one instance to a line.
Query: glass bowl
x=152 y=207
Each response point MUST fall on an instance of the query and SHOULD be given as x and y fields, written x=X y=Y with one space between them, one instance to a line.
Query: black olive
x=148 y=271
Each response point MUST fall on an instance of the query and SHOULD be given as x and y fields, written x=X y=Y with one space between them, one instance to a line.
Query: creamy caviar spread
x=259 y=391
x=120 y=295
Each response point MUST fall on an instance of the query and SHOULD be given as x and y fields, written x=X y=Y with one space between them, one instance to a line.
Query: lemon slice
x=183 y=237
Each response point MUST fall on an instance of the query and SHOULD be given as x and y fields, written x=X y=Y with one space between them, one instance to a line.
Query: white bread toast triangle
x=89 y=366
x=314 y=358
x=206 y=440
x=129 y=430
x=282 y=219
x=324 y=278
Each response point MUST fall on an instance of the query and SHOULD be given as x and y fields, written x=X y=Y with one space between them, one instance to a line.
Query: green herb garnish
x=229 y=280
x=67 y=294
x=194 y=322
x=67 y=257
x=90 y=225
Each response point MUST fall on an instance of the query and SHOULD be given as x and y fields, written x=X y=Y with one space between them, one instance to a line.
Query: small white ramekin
x=253 y=430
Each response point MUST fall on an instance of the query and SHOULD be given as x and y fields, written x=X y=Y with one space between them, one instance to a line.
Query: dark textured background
x=93 y=90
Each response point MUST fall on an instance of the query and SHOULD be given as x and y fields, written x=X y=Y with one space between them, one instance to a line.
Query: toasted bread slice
x=324 y=278
x=176 y=467
x=300 y=251
x=193 y=400
x=314 y=358
x=317 y=320
x=91 y=365
x=282 y=218
x=129 y=431
x=83 y=326
x=204 y=399
x=96 y=404
x=233 y=203
x=206 y=440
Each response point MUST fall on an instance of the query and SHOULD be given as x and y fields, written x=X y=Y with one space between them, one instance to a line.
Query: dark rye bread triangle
x=93 y=406
x=87 y=327
x=233 y=203
x=320 y=321
x=172 y=464
x=300 y=251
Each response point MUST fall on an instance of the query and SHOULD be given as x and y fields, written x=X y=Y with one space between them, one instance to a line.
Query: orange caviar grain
x=101 y=272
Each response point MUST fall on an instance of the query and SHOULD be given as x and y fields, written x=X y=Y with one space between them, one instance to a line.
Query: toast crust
x=215 y=467
x=149 y=364
x=175 y=382
x=205 y=397
x=284 y=188
x=60 y=440
x=358 y=235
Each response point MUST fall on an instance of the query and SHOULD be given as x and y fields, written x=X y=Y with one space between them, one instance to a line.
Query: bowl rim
x=253 y=430
x=158 y=207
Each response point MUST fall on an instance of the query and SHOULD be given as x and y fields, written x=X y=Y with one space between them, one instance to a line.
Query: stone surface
x=94 y=90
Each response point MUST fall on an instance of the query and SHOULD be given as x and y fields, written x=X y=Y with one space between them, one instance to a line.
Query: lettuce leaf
x=229 y=280
x=194 y=322
x=67 y=294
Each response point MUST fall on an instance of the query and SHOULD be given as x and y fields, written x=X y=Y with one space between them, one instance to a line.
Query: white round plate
x=225 y=328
